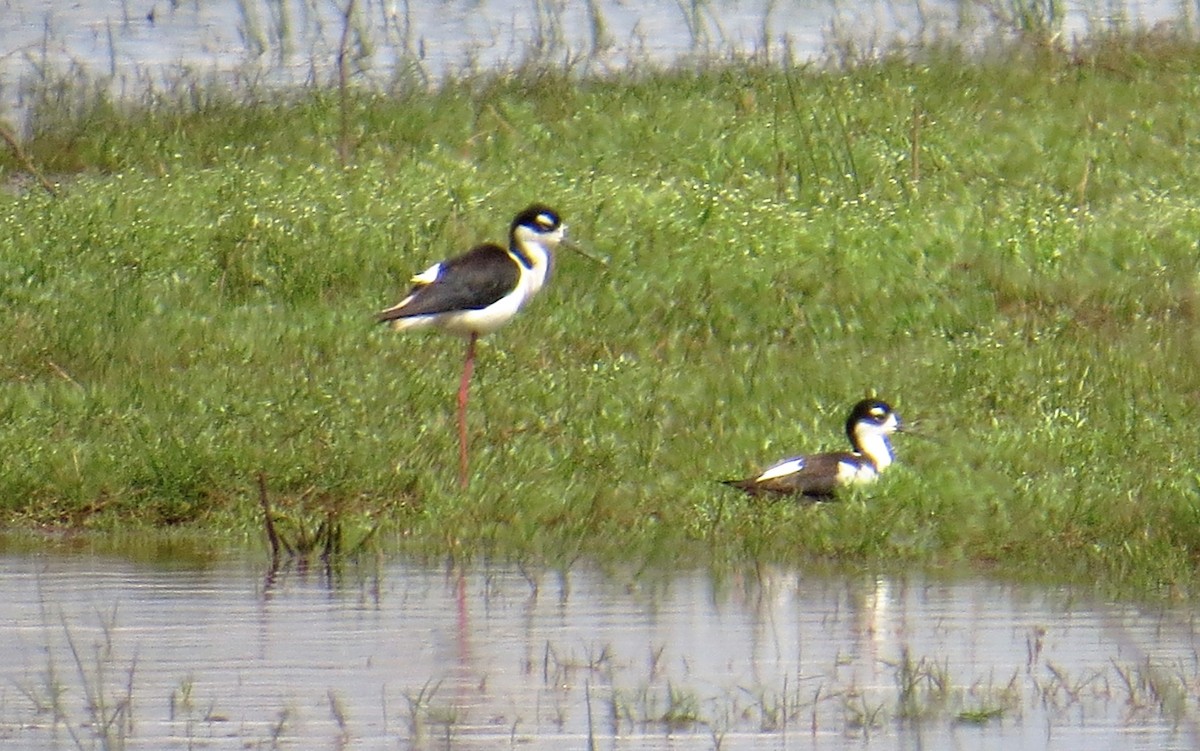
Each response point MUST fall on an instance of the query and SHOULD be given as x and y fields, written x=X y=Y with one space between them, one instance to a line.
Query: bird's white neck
x=876 y=446
x=535 y=253
x=539 y=269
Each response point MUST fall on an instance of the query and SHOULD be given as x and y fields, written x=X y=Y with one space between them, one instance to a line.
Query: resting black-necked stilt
x=479 y=291
x=869 y=426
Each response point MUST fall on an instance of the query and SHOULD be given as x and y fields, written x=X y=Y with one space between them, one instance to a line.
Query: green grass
x=1004 y=246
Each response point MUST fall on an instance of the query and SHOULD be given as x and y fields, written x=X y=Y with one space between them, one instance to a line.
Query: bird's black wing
x=471 y=281
x=816 y=478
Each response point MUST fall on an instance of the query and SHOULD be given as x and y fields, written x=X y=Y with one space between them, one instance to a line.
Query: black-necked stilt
x=479 y=291
x=869 y=427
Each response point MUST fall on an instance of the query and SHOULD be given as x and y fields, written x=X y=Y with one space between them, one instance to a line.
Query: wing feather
x=815 y=476
x=471 y=281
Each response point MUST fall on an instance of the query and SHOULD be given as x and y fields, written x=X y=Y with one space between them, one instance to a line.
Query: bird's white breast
x=856 y=473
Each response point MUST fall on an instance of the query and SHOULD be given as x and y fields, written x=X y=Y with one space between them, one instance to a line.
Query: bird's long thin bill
x=603 y=261
x=908 y=430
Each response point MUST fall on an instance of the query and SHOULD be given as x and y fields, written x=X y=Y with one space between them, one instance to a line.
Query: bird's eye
x=876 y=412
x=545 y=221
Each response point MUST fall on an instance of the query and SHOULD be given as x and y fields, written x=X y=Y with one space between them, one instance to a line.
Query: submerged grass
x=85 y=688
x=1002 y=245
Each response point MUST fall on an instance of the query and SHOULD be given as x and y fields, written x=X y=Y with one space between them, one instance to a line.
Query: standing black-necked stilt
x=869 y=426
x=479 y=291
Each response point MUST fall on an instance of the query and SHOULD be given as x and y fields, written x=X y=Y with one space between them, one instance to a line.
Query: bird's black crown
x=539 y=218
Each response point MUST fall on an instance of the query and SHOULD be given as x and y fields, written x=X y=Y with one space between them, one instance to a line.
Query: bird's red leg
x=468 y=369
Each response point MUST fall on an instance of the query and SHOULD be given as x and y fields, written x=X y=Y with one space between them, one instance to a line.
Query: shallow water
x=400 y=655
x=140 y=46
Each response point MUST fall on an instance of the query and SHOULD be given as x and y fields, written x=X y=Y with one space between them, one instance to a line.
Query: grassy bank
x=1004 y=247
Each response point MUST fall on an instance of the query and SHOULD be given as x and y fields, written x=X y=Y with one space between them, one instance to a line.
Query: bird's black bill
x=568 y=243
x=910 y=429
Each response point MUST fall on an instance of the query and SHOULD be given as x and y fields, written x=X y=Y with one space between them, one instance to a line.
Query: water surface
x=402 y=655
x=143 y=46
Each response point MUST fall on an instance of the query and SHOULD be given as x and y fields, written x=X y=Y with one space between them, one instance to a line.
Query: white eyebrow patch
x=782 y=469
